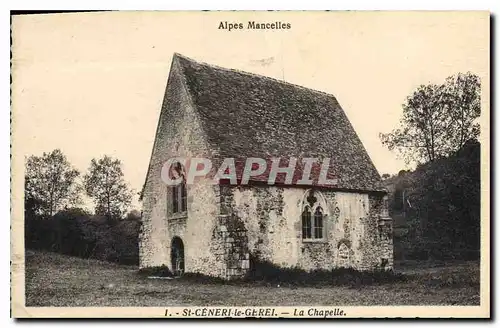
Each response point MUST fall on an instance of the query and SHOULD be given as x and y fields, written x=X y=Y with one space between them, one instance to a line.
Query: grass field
x=58 y=280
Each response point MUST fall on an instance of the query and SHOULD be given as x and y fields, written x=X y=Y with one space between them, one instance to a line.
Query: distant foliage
x=50 y=184
x=106 y=186
x=437 y=119
x=133 y=215
x=75 y=232
x=441 y=201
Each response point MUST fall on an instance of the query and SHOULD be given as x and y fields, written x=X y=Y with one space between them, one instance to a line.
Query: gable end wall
x=179 y=134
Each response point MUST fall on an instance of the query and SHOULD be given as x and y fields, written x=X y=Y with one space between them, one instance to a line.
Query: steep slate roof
x=247 y=115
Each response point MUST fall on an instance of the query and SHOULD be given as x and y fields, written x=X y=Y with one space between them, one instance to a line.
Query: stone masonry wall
x=269 y=218
x=379 y=236
x=179 y=134
x=229 y=241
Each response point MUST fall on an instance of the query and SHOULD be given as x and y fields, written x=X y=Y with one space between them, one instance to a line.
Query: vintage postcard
x=251 y=164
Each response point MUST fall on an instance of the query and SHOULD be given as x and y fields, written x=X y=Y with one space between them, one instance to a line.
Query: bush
x=443 y=220
x=265 y=271
x=158 y=271
x=75 y=232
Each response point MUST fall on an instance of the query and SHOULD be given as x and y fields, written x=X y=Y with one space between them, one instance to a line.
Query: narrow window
x=183 y=196
x=318 y=223
x=178 y=194
x=306 y=224
x=175 y=199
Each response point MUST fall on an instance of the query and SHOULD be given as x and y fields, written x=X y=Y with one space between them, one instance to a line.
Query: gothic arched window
x=312 y=218
x=318 y=223
x=306 y=223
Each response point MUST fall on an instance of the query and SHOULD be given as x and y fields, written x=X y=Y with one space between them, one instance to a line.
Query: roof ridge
x=176 y=54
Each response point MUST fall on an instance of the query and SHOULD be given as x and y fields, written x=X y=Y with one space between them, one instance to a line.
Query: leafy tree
x=437 y=119
x=50 y=184
x=463 y=94
x=104 y=183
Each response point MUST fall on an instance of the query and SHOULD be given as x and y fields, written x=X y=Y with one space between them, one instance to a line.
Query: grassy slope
x=58 y=280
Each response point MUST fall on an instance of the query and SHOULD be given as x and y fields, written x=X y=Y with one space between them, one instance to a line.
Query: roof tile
x=248 y=115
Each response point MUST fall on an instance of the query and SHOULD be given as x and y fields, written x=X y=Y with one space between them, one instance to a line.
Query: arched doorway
x=177 y=256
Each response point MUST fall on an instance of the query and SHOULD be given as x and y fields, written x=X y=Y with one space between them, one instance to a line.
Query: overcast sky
x=92 y=84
